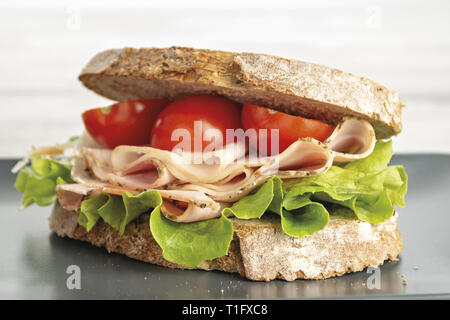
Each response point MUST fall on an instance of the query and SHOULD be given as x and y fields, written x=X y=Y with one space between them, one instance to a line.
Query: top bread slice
x=292 y=86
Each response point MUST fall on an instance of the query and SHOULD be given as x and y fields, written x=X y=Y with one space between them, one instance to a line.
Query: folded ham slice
x=201 y=201
x=212 y=167
x=150 y=174
x=178 y=205
x=352 y=139
x=195 y=205
x=71 y=195
x=305 y=157
x=198 y=190
x=150 y=168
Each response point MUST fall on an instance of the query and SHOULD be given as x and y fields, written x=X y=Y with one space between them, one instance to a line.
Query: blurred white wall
x=404 y=45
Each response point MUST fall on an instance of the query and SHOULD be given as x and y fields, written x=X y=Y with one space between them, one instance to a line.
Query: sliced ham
x=81 y=174
x=228 y=181
x=71 y=195
x=198 y=206
x=305 y=157
x=147 y=177
x=352 y=139
x=199 y=191
x=210 y=168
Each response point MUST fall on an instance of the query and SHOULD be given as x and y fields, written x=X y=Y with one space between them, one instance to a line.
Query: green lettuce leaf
x=276 y=205
x=368 y=186
x=306 y=219
x=88 y=213
x=38 y=182
x=254 y=205
x=117 y=211
x=189 y=244
x=136 y=205
x=304 y=216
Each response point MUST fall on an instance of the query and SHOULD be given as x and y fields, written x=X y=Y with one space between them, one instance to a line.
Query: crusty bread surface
x=291 y=86
x=259 y=249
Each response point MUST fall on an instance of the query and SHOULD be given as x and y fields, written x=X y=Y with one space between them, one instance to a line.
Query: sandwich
x=239 y=162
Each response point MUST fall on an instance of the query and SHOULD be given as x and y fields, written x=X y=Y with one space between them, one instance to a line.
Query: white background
x=404 y=45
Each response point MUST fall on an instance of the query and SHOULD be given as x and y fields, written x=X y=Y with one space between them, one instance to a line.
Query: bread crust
x=259 y=249
x=291 y=86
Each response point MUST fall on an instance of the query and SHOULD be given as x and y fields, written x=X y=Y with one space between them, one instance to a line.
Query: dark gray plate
x=34 y=261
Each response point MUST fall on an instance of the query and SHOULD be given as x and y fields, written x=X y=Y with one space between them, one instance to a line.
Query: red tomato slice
x=124 y=123
x=212 y=112
x=290 y=127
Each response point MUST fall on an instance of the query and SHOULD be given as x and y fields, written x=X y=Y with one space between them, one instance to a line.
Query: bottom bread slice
x=260 y=250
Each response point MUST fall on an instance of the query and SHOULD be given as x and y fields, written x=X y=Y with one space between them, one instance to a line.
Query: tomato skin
x=124 y=123
x=291 y=128
x=213 y=112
